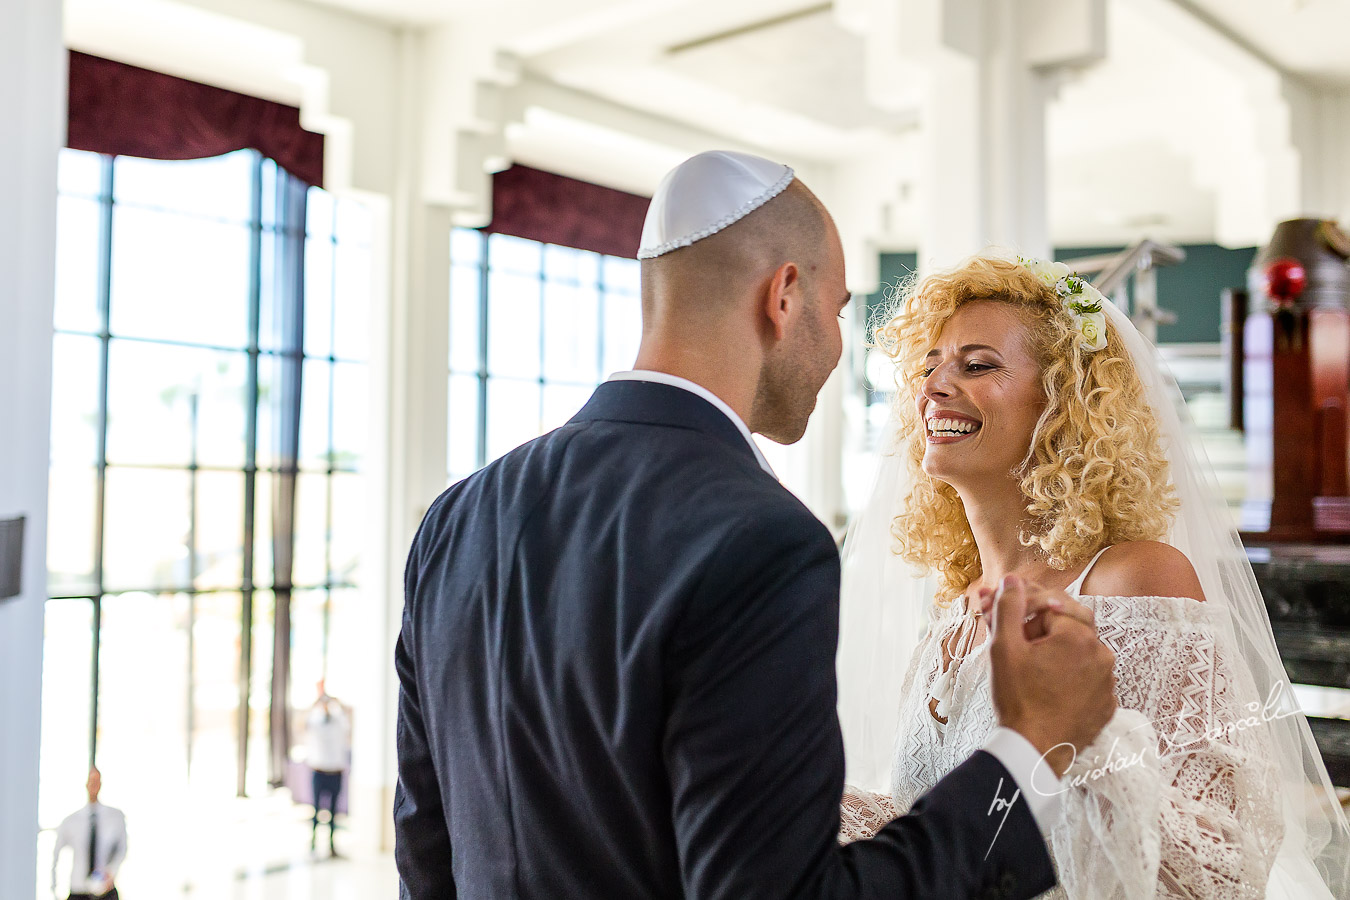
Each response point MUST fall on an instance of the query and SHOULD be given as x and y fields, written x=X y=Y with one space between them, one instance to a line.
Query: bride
x=1038 y=438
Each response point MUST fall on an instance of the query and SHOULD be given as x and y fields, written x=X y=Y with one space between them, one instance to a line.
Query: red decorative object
x=1285 y=281
x=1296 y=389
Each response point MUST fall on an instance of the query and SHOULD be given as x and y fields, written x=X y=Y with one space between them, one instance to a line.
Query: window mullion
x=194 y=401
x=290 y=303
x=543 y=329
x=602 y=295
x=101 y=452
x=250 y=475
x=484 y=273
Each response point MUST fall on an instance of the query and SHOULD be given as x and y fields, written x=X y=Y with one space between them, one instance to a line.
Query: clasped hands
x=1053 y=680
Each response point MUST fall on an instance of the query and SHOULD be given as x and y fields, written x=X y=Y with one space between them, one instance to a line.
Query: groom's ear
x=783 y=298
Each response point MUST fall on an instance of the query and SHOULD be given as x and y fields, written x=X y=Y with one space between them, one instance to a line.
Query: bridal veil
x=884 y=607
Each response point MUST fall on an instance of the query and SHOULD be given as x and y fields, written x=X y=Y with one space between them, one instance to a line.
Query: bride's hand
x=1041 y=603
x=1052 y=679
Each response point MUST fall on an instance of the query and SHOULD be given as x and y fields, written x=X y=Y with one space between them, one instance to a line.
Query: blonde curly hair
x=1095 y=472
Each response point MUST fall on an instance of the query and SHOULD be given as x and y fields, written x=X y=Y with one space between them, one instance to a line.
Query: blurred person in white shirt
x=96 y=836
x=327 y=747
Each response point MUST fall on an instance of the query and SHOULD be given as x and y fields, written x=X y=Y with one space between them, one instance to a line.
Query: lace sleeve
x=1177 y=797
x=863 y=813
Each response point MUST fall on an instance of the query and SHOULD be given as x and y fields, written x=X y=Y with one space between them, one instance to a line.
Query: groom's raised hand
x=1052 y=679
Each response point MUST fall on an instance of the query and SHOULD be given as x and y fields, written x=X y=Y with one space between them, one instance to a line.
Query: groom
x=617 y=657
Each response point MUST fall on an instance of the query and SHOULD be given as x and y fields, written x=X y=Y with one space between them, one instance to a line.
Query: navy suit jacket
x=617 y=680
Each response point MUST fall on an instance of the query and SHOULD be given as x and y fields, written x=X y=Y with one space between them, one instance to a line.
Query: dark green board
x=1192 y=290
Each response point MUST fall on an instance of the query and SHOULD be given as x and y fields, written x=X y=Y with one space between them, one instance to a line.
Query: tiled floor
x=254 y=850
x=371 y=878
x=360 y=878
x=237 y=850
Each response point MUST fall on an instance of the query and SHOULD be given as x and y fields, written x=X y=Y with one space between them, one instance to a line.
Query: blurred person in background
x=97 y=838
x=328 y=747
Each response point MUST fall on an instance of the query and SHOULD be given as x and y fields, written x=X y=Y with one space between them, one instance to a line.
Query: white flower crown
x=1081 y=300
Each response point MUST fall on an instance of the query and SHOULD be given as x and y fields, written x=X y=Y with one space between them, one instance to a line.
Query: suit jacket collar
x=651 y=403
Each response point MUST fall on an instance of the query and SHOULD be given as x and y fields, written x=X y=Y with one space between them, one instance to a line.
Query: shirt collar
x=699 y=391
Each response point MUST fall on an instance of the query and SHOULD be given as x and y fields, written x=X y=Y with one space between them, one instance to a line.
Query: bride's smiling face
x=981 y=397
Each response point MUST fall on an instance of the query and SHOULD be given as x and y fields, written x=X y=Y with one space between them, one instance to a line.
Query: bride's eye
x=978 y=367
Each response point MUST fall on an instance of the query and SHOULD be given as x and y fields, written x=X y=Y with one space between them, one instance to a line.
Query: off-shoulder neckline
x=957 y=608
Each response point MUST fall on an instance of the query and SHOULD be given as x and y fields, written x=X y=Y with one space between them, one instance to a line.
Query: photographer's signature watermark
x=1188 y=732
x=1003 y=806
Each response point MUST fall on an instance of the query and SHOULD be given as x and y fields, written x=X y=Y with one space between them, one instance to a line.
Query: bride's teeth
x=955 y=426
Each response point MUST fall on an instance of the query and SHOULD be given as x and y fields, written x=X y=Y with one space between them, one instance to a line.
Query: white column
x=32 y=130
x=813 y=467
x=1319 y=120
x=410 y=439
x=990 y=68
x=1337 y=135
x=463 y=81
x=1271 y=165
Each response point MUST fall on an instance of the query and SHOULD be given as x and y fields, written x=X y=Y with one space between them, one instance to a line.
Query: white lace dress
x=1167 y=802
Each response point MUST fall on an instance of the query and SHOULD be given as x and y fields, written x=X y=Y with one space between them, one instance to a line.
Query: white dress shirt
x=73 y=832
x=699 y=391
x=327 y=735
x=1040 y=786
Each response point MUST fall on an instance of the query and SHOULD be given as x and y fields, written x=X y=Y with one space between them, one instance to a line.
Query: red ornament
x=1285 y=280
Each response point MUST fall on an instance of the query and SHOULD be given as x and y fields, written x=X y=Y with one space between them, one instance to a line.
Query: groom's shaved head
x=792 y=227
x=752 y=310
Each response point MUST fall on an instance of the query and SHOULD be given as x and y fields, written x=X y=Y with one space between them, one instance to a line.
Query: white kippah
x=705 y=194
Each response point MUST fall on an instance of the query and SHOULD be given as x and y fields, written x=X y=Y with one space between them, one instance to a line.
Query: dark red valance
x=130 y=111
x=555 y=209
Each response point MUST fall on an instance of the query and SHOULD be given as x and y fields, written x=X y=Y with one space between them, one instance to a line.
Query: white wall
x=32 y=124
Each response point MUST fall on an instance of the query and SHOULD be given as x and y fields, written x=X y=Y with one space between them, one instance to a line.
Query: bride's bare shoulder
x=1144 y=569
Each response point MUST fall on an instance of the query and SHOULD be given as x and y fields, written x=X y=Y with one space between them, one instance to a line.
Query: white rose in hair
x=1092 y=295
x=1092 y=326
x=1042 y=270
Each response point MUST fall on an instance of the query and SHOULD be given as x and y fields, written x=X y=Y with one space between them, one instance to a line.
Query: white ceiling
x=775 y=74
x=805 y=64
x=1308 y=37
x=1128 y=138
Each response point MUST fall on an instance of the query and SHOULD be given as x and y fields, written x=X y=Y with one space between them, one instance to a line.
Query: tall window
x=208 y=423
x=533 y=329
